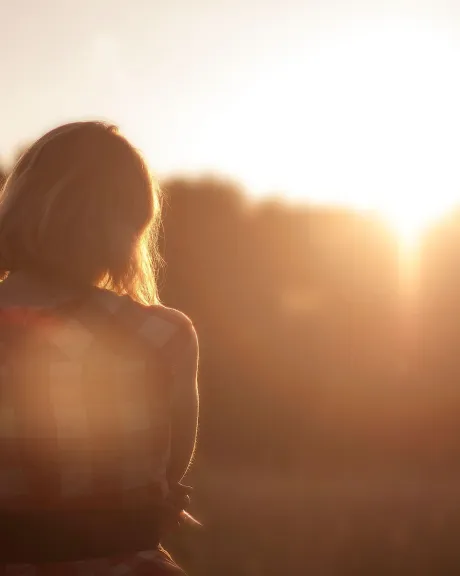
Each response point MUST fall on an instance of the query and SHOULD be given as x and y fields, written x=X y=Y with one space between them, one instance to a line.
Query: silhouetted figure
x=98 y=394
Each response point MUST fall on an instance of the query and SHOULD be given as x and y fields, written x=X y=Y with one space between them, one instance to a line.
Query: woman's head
x=81 y=205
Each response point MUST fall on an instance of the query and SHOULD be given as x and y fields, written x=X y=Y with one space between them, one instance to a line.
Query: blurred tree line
x=322 y=361
x=298 y=315
x=314 y=369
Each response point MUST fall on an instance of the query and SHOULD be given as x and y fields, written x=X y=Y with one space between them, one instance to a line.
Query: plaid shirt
x=85 y=414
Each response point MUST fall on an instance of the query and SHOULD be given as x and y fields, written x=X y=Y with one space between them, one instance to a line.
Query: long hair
x=81 y=205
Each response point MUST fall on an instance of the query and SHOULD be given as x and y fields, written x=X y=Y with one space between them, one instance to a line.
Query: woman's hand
x=177 y=502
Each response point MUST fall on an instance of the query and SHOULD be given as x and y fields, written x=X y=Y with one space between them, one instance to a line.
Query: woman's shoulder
x=170 y=330
x=178 y=322
x=160 y=324
x=171 y=315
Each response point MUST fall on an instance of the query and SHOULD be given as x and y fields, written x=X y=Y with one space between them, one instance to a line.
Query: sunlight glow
x=366 y=116
x=410 y=221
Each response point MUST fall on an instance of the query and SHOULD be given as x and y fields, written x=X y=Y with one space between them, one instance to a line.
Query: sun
x=410 y=221
x=409 y=229
x=366 y=116
x=396 y=124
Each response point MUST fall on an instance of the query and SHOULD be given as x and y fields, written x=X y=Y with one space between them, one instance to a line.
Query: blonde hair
x=81 y=205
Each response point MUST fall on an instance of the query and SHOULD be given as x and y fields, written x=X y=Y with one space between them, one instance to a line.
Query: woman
x=98 y=393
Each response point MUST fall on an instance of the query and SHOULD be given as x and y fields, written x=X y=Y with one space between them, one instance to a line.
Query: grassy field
x=353 y=524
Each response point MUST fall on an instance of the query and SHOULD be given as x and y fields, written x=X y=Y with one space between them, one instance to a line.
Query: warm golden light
x=364 y=116
x=410 y=221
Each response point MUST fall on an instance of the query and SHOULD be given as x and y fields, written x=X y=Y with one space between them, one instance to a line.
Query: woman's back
x=84 y=395
x=86 y=389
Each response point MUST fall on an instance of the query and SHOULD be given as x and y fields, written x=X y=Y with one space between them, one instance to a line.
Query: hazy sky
x=323 y=98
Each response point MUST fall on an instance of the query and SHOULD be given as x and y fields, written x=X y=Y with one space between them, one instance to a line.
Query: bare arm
x=184 y=405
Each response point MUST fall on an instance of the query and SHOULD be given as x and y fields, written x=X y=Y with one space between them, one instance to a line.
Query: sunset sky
x=325 y=100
